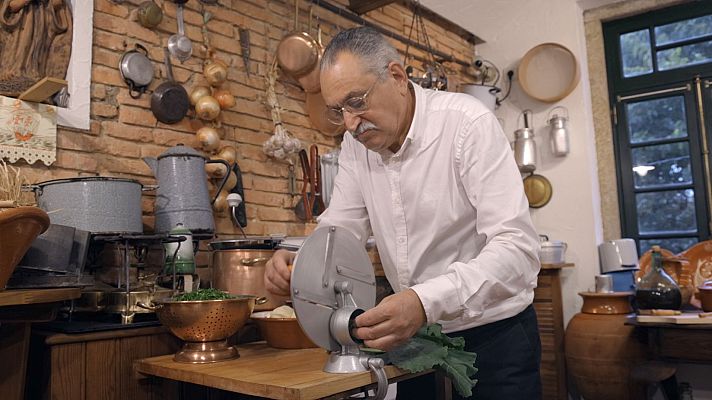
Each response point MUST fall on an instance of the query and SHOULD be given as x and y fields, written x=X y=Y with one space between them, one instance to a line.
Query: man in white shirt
x=432 y=176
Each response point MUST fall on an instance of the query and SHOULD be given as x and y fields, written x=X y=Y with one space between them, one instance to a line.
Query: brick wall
x=123 y=130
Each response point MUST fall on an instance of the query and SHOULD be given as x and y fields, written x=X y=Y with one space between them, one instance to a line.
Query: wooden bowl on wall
x=19 y=227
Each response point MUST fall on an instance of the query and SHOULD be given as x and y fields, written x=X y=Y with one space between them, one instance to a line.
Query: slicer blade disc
x=313 y=276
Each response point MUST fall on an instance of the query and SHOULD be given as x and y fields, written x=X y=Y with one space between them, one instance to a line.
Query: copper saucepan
x=310 y=81
x=298 y=52
x=316 y=108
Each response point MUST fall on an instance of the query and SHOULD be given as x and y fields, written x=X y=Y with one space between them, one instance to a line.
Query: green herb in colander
x=204 y=294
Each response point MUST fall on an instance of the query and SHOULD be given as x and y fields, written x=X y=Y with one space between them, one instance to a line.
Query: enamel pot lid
x=538 y=190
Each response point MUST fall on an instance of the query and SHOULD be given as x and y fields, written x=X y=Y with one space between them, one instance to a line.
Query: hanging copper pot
x=298 y=52
x=310 y=81
x=316 y=108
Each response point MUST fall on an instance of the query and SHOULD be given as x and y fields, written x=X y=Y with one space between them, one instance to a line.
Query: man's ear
x=398 y=73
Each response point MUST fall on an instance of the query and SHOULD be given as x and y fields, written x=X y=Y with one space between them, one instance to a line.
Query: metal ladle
x=178 y=44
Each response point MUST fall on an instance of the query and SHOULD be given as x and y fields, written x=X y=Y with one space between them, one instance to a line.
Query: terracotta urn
x=601 y=351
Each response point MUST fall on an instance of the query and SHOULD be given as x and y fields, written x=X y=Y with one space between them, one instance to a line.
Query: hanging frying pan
x=298 y=52
x=169 y=102
x=538 y=190
x=316 y=108
x=136 y=70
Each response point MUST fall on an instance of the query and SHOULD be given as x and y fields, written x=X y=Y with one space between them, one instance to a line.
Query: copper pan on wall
x=310 y=81
x=298 y=52
x=316 y=108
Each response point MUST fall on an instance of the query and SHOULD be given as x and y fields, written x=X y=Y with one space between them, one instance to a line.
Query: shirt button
x=401 y=240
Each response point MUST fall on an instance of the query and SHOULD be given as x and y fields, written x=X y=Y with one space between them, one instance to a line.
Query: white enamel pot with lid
x=96 y=204
x=552 y=251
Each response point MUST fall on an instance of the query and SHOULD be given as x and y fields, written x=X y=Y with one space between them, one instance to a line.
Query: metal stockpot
x=183 y=190
x=239 y=268
x=93 y=204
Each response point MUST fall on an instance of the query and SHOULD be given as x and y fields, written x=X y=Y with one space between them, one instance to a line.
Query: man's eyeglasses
x=355 y=105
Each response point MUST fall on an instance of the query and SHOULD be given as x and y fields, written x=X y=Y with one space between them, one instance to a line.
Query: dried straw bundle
x=11 y=182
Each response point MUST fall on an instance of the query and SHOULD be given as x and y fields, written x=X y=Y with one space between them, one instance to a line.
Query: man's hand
x=392 y=322
x=277 y=272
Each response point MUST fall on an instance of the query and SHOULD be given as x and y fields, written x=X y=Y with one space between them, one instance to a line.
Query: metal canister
x=525 y=149
x=558 y=132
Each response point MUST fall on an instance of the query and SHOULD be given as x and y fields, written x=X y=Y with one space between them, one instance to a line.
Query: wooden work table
x=270 y=373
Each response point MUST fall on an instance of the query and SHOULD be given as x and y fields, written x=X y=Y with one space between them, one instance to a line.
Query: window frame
x=653 y=83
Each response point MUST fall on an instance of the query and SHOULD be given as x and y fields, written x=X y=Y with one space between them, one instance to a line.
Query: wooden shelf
x=557 y=266
x=18 y=297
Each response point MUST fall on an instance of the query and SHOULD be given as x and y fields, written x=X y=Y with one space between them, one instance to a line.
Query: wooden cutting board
x=267 y=372
x=682 y=319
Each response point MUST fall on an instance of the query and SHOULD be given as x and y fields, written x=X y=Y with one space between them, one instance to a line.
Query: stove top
x=97 y=322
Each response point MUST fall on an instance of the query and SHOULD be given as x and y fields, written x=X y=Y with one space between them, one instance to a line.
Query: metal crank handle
x=376 y=365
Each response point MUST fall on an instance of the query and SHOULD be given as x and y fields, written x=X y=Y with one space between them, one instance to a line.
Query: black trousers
x=508 y=357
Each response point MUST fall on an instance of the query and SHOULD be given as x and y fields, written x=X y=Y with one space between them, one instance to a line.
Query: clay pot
x=601 y=351
x=706 y=296
x=18 y=229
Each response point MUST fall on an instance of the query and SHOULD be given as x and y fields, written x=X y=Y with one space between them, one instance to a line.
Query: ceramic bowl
x=19 y=227
x=282 y=333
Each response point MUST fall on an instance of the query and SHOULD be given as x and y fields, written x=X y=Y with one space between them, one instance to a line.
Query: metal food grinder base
x=332 y=283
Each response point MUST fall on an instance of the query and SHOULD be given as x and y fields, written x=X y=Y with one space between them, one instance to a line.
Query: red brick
x=109 y=7
x=245 y=136
x=136 y=116
x=268 y=198
x=122 y=148
x=110 y=23
x=262 y=168
x=94 y=128
x=277 y=214
x=172 y=138
x=277 y=185
x=126 y=166
x=106 y=75
x=119 y=130
x=98 y=91
x=123 y=98
x=77 y=161
x=110 y=41
x=103 y=110
x=69 y=140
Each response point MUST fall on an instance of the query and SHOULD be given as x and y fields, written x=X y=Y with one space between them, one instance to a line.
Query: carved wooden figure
x=35 y=42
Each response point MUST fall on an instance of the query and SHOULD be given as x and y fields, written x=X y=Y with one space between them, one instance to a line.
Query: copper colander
x=205 y=320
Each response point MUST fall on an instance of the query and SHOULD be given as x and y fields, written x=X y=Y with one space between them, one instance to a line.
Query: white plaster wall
x=510 y=28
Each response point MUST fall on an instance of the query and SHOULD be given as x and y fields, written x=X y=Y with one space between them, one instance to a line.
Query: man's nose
x=351 y=122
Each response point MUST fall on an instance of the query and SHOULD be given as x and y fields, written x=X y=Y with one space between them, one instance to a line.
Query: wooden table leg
x=14 y=348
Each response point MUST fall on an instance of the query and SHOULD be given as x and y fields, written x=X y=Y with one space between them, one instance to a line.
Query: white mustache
x=363 y=127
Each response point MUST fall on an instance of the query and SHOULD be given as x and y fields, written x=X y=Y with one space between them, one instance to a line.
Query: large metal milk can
x=182 y=195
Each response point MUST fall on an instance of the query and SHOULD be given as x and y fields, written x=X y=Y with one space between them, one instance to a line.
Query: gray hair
x=366 y=43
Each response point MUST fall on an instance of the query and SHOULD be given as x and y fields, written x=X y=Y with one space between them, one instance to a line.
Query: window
x=660 y=80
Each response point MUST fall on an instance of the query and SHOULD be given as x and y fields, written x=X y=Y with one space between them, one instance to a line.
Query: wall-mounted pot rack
x=441 y=57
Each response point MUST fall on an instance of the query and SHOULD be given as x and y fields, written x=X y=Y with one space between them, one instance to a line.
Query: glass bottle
x=657 y=290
